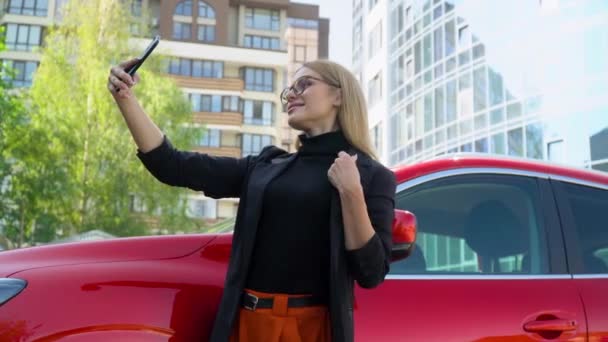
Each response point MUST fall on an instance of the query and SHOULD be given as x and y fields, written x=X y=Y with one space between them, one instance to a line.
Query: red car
x=506 y=250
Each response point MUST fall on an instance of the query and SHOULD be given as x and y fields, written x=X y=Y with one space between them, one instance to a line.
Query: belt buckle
x=255 y=300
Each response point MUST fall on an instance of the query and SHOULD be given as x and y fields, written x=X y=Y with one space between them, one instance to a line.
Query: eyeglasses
x=300 y=85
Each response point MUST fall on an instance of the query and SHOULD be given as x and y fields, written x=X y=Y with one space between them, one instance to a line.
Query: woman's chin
x=294 y=123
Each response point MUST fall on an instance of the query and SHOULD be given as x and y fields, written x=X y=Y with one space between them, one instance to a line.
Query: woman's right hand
x=120 y=82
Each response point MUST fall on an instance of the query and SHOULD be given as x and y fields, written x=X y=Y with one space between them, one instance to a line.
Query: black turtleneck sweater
x=291 y=253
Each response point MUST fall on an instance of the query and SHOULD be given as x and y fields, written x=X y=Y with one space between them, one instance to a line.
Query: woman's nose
x=291 y=94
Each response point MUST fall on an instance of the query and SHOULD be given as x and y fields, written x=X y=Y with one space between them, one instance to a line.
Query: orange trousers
x=281 y=323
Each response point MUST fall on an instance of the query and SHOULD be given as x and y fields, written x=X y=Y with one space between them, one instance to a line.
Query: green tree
x=11 y=116
x=76 y=167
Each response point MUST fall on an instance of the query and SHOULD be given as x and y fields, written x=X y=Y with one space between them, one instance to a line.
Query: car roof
x=456 y=161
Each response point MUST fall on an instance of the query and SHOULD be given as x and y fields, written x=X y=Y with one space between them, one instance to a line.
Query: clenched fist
x=343 y=173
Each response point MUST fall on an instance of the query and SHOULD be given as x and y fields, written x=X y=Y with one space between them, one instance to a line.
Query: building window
x=481 y=145
x=464 y=37
x=465 y=95
x=258 y=79
x=398 y=72
x=23 y=72
x=428 y=112
x=22 y=37
x=375 y=89
x=375 y=40
x=496 y=88
x=377 y=136
x=231 y=104
x=258 y=112
x=196 y=68
x=451 y=101
x=438 y=44
x=409 y=69
x=427 y=51
x=534 y=141
x=357 y=39
x=214 y=103
x=514 y=110
x=479 y=89
x=206 y=33
x=450 y=38
x=182 y=31
x=206 y=103
x=210 y=138
x=417 y=57
x=184 y=8
x=201 y=208
x=439 y=107
x=262 y=19
x=205 y=10
x=136 y=8
x=409 y=15
x=515 y=142
x=497 y=144
x=303 y=23
x=372 y=4
x=254 y=143
x=37 y=8
x=396 y=134
x=397 y=20
x=261 y=42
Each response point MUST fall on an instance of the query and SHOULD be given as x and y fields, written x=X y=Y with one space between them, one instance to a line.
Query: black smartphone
x=131 y=70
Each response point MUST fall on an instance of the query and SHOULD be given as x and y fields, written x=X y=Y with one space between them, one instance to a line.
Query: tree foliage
x=74 y=166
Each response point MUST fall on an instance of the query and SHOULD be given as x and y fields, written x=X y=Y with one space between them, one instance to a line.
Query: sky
x=339 y=13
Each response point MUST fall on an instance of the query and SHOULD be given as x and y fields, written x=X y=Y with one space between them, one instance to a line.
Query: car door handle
x=550 y=325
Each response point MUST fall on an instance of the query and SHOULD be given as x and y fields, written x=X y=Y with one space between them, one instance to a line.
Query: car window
x=478 y=224
x=590 y=213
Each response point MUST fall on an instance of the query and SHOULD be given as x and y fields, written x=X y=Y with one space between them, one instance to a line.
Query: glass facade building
x=518 y=78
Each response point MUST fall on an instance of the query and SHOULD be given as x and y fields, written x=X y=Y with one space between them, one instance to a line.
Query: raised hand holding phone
x=132 y=69
x=123 y=77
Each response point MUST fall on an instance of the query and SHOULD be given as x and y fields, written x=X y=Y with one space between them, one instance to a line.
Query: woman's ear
x=338 y=97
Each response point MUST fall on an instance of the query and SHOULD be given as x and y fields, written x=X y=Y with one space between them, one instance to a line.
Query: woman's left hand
x=343 y=173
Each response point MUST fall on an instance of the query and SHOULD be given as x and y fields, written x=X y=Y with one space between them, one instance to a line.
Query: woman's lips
x=294 y=106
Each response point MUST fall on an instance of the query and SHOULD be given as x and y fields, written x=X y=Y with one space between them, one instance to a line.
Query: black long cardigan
x=246 y=178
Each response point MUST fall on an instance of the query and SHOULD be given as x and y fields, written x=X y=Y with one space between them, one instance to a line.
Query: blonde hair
x=352 y=113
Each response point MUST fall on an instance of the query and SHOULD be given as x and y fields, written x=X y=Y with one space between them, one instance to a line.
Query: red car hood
x=122 y=249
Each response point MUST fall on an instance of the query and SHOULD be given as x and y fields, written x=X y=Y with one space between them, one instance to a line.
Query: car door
x=584 y=212
x=489 y=265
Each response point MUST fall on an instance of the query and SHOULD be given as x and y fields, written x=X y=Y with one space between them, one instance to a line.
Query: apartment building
x=232 y=58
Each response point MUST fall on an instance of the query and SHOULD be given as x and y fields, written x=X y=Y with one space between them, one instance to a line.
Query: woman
x=309 y=223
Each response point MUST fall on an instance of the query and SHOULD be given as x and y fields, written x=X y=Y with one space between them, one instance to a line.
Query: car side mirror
x=404 y=234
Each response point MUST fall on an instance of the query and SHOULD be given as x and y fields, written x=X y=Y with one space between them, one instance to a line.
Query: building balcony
x=229 y=84
x=222 y=151
x=223 y=118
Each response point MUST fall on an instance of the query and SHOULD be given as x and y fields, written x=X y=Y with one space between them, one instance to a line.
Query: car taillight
x=9 y=288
